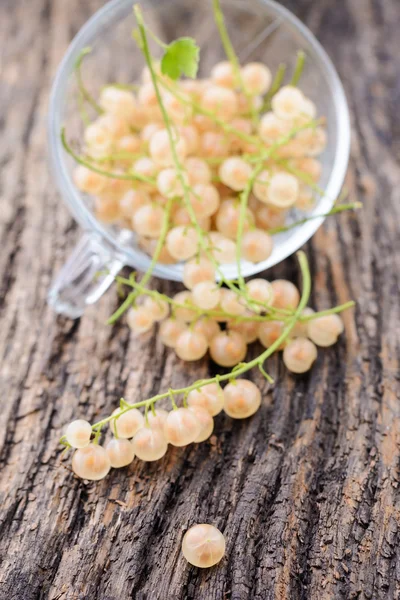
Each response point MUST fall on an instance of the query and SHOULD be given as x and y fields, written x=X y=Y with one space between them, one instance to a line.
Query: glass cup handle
x=88 y=273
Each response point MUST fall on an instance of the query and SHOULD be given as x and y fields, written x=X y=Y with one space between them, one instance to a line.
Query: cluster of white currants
x=147 y=437
x=217 y=131
x=194 y=325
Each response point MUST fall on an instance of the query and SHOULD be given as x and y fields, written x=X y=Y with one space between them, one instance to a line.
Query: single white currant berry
x=324 y=331
x=232 y=303
x=242 y=398
x=305 y=200
x=286 y=295
x=157 y=307
x=181 y=427
x=309 y=166
x=170 y=330
x=145 y=167
x=223 y=249
x=198 y=270
x=78 y=433
x=206 y=295
x=182 y=242
x=283 y=190
x=91 y=462
x=237 y=143
x=261 y=291
x=118 y=102
x=150 y=444
x=235 y=173
x=191 y=136
x=272 y=129
x=203 y=546
x=288 y=103
x=248 y=329
x=221 y=101
x=149 y=130
x=261 y=186
x=198 y=171
x=301 y=327
x=206 y=423
x=191 y=345
x=210 y=397
x=157 y=418
x=214 y=144
x=256 y=79
x=147 y=96
x=127 y=424
x=131 y=201
x=107 y=209
x=139 y=319
x=177 y=111
x=148 y=220
x=299 y=355
x=115 y=126
x=184 y=313
x=204 y=200
x=269 y=217
x=223 y=75
x=228 y=348
x=269 y=332
x=88 y=181
x=228 y=217
x=120 y=452
x=257 y=245
x=160 y=148
x=318 y=142
x=99 y=140
x=208 y=327
x=149 y=245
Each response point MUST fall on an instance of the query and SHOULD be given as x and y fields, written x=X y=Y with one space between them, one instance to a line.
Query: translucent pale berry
x=261 y=291
x=221 y=101
x=324 y=331
x=131 y=201
x=223 y=249
x=149 y=130
x=228 y=348
x=157 y=307
x=242 y=398
x=148 y=220
x=206 y=423
x=139 y=319
x=120 y=452
x=181 y=427
x=248 y=329
x=208 y=327
x=299 y=355
x=261 y=186
x=191 y=137
x=301 y=327
x=160 y=148
x=309 y=166
x=257 y=245
x=158 y=418
x=256 y=78
x=88 y=181
x=210 y=397
x=198 y=170
x=145 y=166
x=99 y=140
x=305 y=199
x=269 y=217
x=232 y=303
x=214 y=144
x=222 y=74
x=204 y=199
x=127 y=423
x=235 y=173
x=206 y=295
x=78 y=433
x=182 y=242
x=288 y=103
x=203 y=546
x=184 y=312
x=283 y=190
x=198 y=270
x=118 y=102
x=191 y=345
x=269 y=332
x=91 y=462
x=271 y=128
x=150 y=444
x=286 y=294
x=228 y=217
x=170 y=330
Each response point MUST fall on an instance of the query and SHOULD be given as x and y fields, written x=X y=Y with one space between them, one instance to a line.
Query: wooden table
x=307 y=491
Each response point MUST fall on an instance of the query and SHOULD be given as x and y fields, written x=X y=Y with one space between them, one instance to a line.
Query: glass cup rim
x=87 y=220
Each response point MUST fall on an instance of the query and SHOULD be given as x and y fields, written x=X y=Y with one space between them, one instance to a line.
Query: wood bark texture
x=306 y=491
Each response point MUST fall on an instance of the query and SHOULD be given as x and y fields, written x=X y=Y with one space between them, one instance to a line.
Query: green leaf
x=181 y=57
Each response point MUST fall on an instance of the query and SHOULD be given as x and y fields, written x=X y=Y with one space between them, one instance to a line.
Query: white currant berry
x=283 y=190
x=139 y=319
x=198 y=270
x=131 y=201
x=169 y=183
x=261 y=291
x=149 y=444
x=170 y=330
x=206 y=295
x=256 y=78
x=208 y=327
x=209 y=396
x=157 y=418
x=91 y=462
x=198 y=170
x=257 y=245
x=221 y=101
x=248 y=329
x=88 y=181
x=127 y=424
x=269 y=217
x=214 y=144
x=191 y=345
x=261 y=186
x=118 y=102
x=206 y=423
x=223 y=75
x=301 y=327
x=299 y=355
x=184 y=313
x=148 y=220
x=232 y=303
x=228 y=348
x=324 y=331
x=235 y=173
x=269 y=332
x=161 y=151
x=203 y=546
x=272 y=129
x=157 y=307
x=107 y=209
x=288 y=102
x=242 y=398
x=120 y=452
x=182 y=242
x=181 y=427
x=286 y=294
x=191 y=136
x=204 y=199
x=78 y=433
x=228 y=217
x=223 y=249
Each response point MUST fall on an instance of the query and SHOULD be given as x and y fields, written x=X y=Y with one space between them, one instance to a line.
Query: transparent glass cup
x=261 y=30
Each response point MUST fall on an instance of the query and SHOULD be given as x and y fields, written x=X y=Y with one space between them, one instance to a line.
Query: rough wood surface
x=307 y=491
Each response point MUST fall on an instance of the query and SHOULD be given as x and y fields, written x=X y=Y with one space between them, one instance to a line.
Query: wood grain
x=307 y=491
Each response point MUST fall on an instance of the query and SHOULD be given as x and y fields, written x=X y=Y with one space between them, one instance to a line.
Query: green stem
x=82 y=88
x=275 y=87
x=227 y=44
x=334 y=211
x=299 y=67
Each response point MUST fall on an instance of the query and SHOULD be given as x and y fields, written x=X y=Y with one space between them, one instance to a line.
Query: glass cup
x=261 y=30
